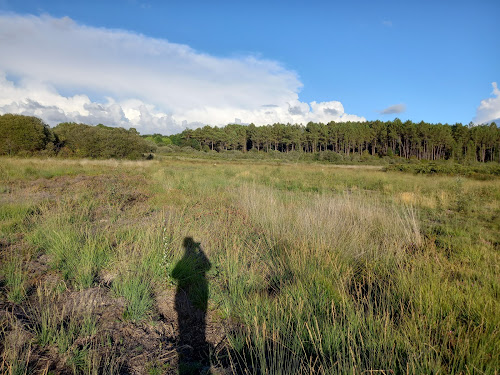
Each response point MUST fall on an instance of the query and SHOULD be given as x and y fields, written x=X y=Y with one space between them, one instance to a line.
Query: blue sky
x=257 y=61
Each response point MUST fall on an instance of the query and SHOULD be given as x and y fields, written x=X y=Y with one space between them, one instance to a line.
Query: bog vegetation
x=315 y=268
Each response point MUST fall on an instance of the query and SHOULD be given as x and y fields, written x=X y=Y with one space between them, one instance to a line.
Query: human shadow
x=191 y=300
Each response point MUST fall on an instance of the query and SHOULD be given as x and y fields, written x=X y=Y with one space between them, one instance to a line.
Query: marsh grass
x=18 y=365
x=54 y=325
x=16 y=352
x=74 y=250
x=15 y=278
x=97 y=358
x=318 y=269
x=137 y=292
x=335 y=280
x=352 y=281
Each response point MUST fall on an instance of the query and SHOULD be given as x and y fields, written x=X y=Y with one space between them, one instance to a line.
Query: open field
x=294 y=268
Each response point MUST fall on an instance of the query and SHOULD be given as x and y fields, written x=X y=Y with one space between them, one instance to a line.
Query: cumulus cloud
x=489 y=109
x=394 y=109
x=61 y=67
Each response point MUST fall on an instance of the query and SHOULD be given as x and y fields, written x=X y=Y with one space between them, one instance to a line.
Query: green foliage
x=176 y=139
x=330 y=156
x=350 y=142
x=23 y=135
x=472 y=170
x=82 y=140
x=353 y=141
x=158 y=139
x=336 y=142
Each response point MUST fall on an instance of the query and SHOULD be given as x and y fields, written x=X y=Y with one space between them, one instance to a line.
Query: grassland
x=314 y=268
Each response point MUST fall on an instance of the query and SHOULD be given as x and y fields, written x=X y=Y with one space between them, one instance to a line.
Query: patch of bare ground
x=134 y=346
x=122 y=189
x=10 y=244
x=121 y=198
x=42 y=189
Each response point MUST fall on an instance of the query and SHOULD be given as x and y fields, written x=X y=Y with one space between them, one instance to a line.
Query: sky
x=163 y=66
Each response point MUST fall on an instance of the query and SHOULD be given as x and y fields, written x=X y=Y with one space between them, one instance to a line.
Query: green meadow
x=314 y=268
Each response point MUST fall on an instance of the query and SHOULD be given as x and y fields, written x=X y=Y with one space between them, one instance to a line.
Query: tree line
x=28 y=135
x=423 y=141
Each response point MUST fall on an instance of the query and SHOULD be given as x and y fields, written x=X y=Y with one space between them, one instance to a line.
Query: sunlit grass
x=319 y=269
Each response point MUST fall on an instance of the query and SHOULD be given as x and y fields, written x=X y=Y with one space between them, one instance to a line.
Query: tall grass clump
x=16 y=350
x=349 y=286
x=139 y=265
x=332 y=266
x=76 y=251
x=53 y=324
x=138 y=293
x=99 y=357
x=15 y=278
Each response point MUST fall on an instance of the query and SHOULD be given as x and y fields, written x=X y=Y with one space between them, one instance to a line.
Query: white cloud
x=394 y=109
x=489 y=109
x=151 y=84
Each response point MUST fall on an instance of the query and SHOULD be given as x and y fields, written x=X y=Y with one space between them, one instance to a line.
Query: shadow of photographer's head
x=194 y=257
x=190 y=244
